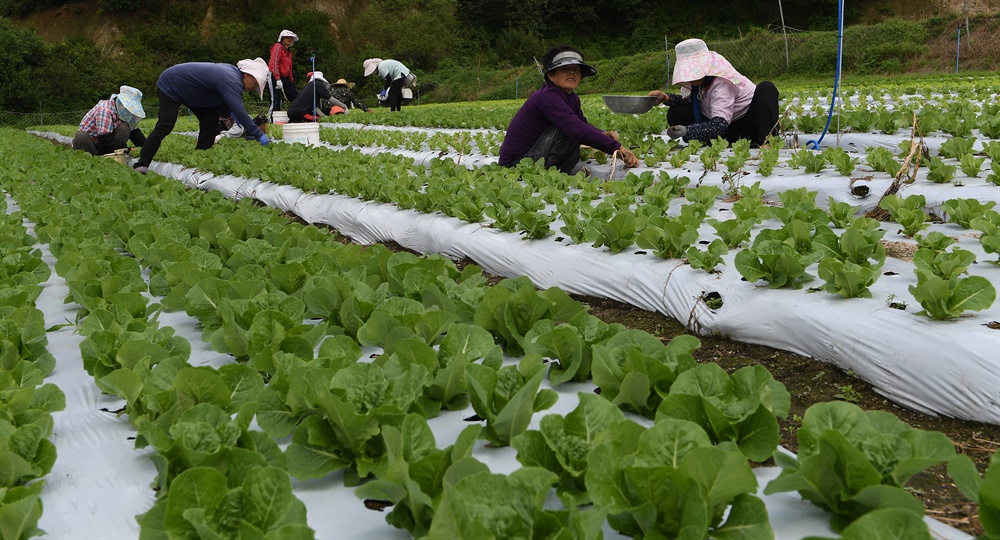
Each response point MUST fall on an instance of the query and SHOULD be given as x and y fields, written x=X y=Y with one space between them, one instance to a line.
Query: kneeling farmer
x=112 y=123
x=209 y=90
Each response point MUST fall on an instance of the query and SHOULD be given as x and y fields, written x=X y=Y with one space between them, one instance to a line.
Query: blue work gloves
x=677 y=132
x=383 y=94
x=264 y=141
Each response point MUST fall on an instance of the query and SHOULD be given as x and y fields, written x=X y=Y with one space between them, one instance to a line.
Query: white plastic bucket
x=279 y=117
x=305 y=133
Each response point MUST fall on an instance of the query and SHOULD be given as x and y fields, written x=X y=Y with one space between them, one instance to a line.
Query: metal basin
x=629 y=104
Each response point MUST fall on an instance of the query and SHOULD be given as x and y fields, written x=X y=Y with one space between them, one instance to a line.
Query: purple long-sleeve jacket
x=551 y=106
x=204 y=85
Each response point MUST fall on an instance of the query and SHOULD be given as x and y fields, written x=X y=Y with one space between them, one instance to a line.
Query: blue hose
x=836 y=75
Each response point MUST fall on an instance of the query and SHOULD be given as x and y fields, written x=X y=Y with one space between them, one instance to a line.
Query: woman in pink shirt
x=716 y=100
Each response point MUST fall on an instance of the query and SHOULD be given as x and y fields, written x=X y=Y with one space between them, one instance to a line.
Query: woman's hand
x=661 y=97
x=613 y=134
x=628 y=158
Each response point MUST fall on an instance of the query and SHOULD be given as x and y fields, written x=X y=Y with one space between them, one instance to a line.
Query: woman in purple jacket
x=551 y=126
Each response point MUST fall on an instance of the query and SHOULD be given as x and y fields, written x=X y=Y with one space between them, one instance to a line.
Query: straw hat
x=371 y=65
x=256 y=68
x=342 y=82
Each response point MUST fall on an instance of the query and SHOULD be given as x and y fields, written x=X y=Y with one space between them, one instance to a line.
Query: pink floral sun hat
x=695 y=61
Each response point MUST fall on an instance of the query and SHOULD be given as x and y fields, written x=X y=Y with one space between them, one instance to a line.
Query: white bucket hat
x=288 y=33
x=258 y=69
x=371 y=65
x=316 y=75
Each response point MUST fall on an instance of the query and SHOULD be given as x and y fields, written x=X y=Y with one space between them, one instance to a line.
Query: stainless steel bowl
x=630 y=104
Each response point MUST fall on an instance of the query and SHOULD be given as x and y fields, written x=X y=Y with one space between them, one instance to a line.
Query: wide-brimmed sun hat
x=695 y=61
x=258 y=69
x=316 y=75
x=130 y=99
x=342 y=82
x=288 y=33
x=571 y=58
x=371 y=65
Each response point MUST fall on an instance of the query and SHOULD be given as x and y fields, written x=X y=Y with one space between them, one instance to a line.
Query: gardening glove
x=264 y=141
x=677 y=132
x=277 y=84
x=383 y=94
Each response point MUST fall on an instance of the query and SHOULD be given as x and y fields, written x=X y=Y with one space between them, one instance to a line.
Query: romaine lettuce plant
x=668 y=237
x=989 y=225
x=507 y=398
x=741 y=408
x=963 y=211
x=562 y=443
x=670 y=482
x=908 y=212
x=710 y=258
x=634 y=370
x=940 y=172
x=956 y=147
x=618 y=233
x=414 y=479
x=852 y=461
x=252 y=502
x=941 y=290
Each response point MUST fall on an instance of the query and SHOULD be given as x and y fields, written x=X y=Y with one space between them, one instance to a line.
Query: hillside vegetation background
x=63 y=56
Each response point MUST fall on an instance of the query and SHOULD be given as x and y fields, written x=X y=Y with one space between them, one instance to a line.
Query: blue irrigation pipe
x=958 y=47
x=312 y=60
x=836 y=76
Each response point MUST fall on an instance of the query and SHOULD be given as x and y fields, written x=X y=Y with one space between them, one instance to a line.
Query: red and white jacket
x=280 y=63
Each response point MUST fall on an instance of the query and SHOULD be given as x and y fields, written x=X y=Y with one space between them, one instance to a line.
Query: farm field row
x=105 y=224
x=646 y=211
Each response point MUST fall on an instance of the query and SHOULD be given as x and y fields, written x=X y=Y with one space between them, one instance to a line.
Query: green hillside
x=64 y=56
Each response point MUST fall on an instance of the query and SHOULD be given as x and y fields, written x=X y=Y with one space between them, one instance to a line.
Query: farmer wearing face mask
x=716 y=100
x=112 y=123
x=551 y=126
x=280 y=64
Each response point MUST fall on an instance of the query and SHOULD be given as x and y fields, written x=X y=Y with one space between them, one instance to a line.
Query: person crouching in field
x=716 y=100
x=551 y=126
x=341 y=91
x=112 y=123
x=210 y=91
x=301 y=109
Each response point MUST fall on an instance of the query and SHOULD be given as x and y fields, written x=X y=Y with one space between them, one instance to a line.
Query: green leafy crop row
x=269 y=292
x=26 y=401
